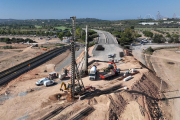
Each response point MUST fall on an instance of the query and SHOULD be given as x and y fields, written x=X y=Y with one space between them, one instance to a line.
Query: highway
x=105 y=37
x=109 y=43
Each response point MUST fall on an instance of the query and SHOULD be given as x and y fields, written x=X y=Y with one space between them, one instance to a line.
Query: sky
x=100 y=9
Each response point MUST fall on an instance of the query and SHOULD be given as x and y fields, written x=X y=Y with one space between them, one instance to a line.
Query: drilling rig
x=74 y=68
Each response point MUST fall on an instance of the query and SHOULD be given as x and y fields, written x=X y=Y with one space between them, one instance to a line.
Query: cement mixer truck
x=92 y=73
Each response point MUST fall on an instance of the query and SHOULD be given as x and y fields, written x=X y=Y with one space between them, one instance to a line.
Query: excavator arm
x=65 y=88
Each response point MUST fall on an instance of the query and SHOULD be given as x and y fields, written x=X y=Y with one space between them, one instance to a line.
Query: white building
x=149 y=23
x=168 y=22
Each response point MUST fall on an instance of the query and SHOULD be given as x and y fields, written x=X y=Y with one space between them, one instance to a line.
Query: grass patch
x=159 y=48
x=62 y=28
x=80 y=40
x=59 y=45
x=38 y=26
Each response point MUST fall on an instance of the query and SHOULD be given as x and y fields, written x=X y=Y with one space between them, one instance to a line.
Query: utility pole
x=73 y=58
x=86 y=52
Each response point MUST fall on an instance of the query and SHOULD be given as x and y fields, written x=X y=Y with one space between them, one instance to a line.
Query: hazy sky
x=101 y=9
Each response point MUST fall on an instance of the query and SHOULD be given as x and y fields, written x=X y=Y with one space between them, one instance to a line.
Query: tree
x=168 y=35
x=148 y=34
x=61 y=35
x=132 y=27
x=78 y=32
x=51 y=33
x=37 y=32
x=83 y=37
x=68 y=34
x=47 y=33
x=42 y=33
x=7 y=41
x=158 y=38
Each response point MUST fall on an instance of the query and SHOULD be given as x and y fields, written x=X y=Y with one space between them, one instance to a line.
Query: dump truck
x=113 y=72
x=92 y=73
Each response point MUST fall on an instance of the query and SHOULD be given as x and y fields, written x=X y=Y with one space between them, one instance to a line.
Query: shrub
x=149 y=50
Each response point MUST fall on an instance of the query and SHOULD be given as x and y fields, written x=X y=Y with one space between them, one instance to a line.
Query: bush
x=149 y=50
x=7 y=47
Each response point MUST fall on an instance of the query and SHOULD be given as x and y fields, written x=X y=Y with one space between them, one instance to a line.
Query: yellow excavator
x=68 y=87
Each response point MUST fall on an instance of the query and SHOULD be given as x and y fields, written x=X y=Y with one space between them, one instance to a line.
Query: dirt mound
x=139 y=102
x=55 y=96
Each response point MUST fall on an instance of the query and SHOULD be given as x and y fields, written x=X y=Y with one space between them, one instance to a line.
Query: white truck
x=41 y=81
x=92 y=73
x=48 y=83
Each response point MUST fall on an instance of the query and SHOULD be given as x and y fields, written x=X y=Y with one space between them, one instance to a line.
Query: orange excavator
x=113 y=72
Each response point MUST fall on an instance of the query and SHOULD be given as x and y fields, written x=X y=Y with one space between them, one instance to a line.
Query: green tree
x=168 y=35
x=42 y=33
x=148 y=34
x=132 y=27
x=158 y=38
x=47 y=33
x=61 y=35
x=68 y=34
x=51 y=33
x=37 y=33
x=78 y=32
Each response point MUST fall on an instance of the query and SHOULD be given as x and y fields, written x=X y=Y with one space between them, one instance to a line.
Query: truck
x=41 y=81
x=92 y=73
x=48 y=83
x=113 y=71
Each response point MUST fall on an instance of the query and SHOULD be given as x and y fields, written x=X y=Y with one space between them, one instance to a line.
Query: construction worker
x=59 y=97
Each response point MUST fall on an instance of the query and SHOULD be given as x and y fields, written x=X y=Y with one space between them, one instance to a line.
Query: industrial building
x=149 y=23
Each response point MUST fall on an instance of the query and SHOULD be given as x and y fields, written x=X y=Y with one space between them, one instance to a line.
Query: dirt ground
x=12 y=57
x=37 y=39
x=141 y=101
x=166 y=63
x=23 y=52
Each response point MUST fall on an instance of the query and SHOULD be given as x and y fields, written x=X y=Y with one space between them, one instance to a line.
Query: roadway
x=67 y=61
x=109 y=43
x=105 y=37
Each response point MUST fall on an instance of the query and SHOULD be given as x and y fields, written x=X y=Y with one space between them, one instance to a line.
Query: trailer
x=113 y=72
x=52 y=75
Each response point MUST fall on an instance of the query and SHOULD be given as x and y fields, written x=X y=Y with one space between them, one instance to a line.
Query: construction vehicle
x=113 y=71
x=92 y=74
x=52 y=75
x=68 y=87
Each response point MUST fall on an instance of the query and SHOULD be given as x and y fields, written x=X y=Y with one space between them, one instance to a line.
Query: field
x=38 y=26
x=62 y=28
x=170 y=30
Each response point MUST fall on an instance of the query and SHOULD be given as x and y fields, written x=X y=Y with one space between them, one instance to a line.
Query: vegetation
x=125 y=37
x=7 y=47
x=16 y=40
x=148 y=34
x=91 y=44
x=149 y=50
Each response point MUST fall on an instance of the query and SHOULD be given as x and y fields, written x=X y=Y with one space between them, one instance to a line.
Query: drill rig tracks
x=23 y=67
x=52 y=114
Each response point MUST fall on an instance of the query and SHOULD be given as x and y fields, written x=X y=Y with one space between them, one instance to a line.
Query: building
x=149 y=23
x=168 y=22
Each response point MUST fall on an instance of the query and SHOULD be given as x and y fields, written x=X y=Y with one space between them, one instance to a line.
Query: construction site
x=103 y=82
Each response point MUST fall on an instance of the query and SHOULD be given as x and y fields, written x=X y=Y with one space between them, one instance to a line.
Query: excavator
x=68 y=87
x=113 y=72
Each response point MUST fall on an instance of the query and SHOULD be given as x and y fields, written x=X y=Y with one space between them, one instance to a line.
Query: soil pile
x=139 y=102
